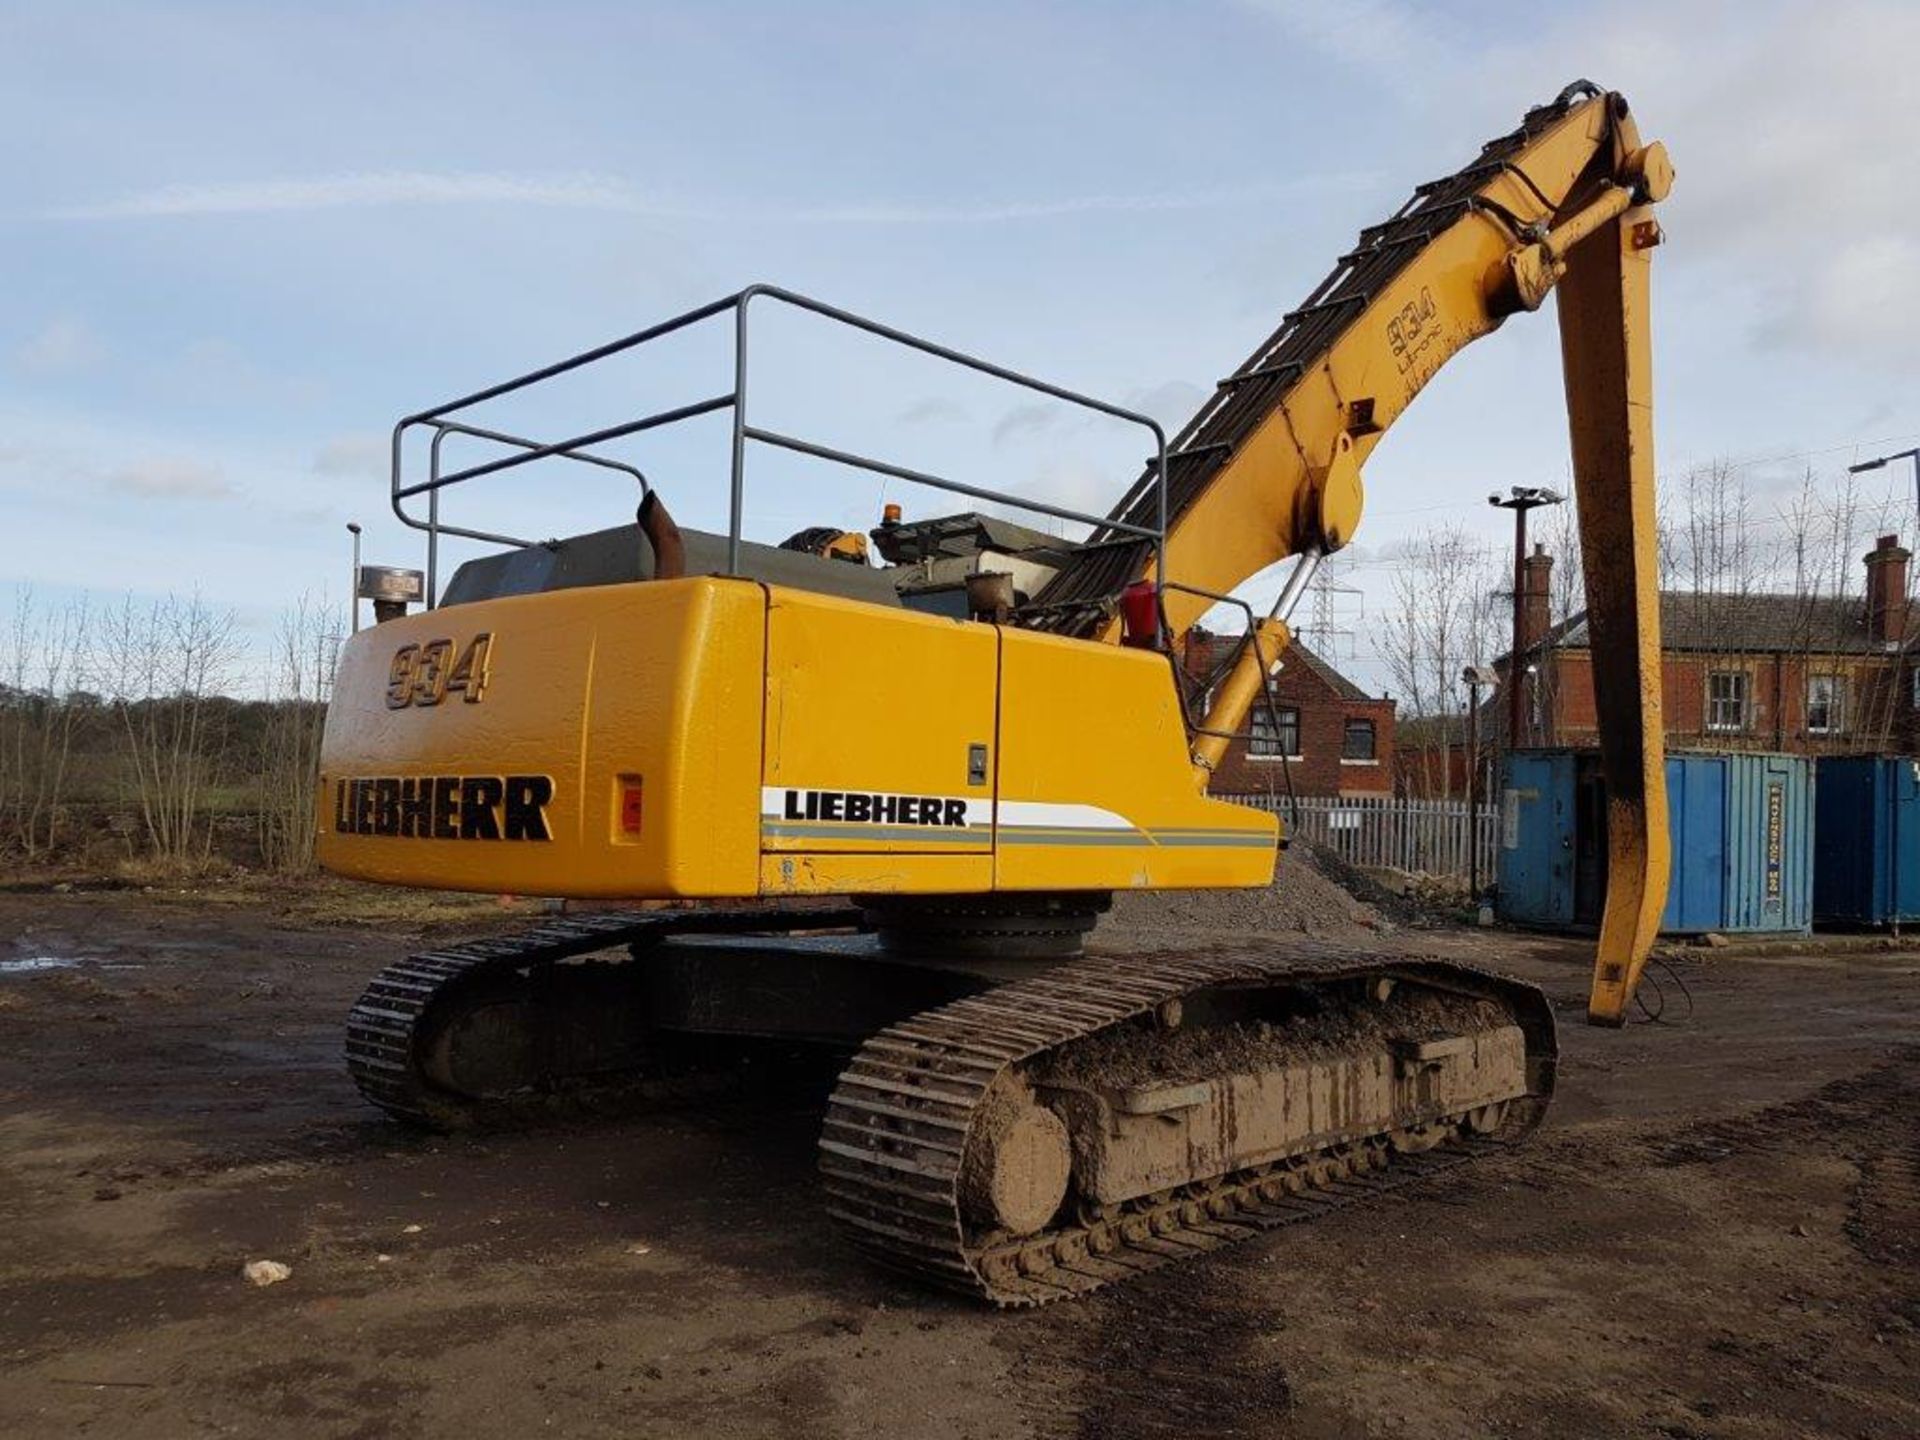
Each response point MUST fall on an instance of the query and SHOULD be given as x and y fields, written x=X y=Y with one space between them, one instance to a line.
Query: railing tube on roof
x=574 y=448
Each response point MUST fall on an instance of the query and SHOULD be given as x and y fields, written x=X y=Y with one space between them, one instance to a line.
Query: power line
x=1873 y=513
x=1750 y=462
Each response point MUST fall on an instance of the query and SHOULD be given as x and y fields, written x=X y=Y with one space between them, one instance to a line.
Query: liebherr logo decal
x=444 y=807
x=868 y=807
x=793 y=816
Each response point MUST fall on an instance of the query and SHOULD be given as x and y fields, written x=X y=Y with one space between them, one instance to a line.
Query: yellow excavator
x=881 y=806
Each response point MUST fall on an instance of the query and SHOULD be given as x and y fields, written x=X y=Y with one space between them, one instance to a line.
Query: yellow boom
x=1271 y=467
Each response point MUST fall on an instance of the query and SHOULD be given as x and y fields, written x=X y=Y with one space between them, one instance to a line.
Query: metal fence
x=1427 y=837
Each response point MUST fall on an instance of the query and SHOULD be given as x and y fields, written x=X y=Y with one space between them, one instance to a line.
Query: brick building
x=1804 y=674
x=1324 y=732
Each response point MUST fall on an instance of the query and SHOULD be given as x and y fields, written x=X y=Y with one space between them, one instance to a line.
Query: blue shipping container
x=1866 y=866
x=1534 y=867
x=1741 y=827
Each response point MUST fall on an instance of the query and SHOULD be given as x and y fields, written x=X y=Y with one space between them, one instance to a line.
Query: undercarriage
x=1020 y=1128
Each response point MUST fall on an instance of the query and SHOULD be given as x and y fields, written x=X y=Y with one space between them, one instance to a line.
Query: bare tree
x=287 y=765
x=1444 y=618
x=1720 y=551
x=1842 y=534
x=162 y=669
x=1560 y=534
x=1666 y=539
x=1803 y=520
x=39 y=716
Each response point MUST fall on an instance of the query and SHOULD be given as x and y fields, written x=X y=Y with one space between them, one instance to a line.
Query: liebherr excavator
x=887 y=803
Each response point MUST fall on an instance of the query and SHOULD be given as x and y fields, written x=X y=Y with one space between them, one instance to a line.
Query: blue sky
x=241 y=240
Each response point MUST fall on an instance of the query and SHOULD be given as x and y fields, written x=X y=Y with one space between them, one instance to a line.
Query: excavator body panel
x=609 y=745
x=1096 y=790
x=709 y=737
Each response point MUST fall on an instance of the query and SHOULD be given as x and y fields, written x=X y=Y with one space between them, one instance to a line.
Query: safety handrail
x=577 y=447
x=1249 y=636
x=444 y=428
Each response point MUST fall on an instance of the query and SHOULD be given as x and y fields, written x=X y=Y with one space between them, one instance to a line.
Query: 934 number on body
x=427 y=674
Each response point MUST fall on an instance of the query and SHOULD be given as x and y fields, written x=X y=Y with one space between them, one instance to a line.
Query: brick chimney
x=1536 y=585
x=1199 y=654
x=1887 y=591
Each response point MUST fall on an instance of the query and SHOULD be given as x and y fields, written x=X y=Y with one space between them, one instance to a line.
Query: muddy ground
x=1718 y=1235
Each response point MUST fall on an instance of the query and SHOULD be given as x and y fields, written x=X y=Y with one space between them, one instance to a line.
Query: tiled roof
x=1340 y=684
x=1817 y=624
x=1201 y=642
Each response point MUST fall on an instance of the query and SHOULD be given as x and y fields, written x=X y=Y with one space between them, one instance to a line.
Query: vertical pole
x=353 y=585
x=433 y=519
x=1906 y=639
x=1914 y=455
x=1160 y=507
x=1473 y=776
x=1517 y=676
x=739 y=429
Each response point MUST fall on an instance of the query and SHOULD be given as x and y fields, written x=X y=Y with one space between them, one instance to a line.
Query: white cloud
x=357 y=455
x=1797 y=158
x=1172 y=402
x=169 y=479
x=1372 y=35
x=611 y=193
x=933 y=410
x=1028 y=418
x=64 y=346
x=217 y=371
x=1073 y=482
x=357 y=191
x=1862 y=298
x=1796 y=170
x=991 y=212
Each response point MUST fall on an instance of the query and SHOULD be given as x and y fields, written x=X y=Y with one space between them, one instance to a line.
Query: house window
x=1264 y=741
x=1357 y=742
x=1727 y=700
x=1826 y=704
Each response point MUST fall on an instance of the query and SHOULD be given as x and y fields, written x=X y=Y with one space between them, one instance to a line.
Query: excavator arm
x=1606 y=354
x=1271 y=466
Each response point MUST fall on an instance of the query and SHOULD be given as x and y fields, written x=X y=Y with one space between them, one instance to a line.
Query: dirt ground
x=1718 y=1235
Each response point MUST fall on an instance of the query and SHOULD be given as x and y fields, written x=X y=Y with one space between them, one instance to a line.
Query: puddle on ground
x=29 y=964
x=39 y=964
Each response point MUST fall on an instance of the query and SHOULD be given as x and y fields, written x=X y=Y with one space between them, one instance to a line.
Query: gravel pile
x=1302 y=900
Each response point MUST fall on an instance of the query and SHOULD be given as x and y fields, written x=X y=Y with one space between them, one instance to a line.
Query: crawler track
x=391 y=1027
x=896 y=1131
x=897 y=1126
